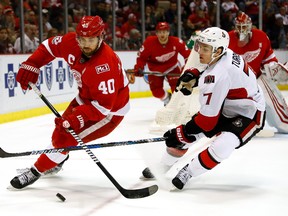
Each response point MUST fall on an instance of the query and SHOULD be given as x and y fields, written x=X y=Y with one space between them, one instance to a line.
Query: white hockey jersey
x=228 y=87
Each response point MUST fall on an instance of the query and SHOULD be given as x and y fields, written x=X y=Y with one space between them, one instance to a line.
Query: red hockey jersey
x=257 y=52
x=161 y=58
x=102 y=83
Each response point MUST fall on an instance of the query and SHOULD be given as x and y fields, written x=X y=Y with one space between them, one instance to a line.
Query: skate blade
x=174 y=189
x=11 y=188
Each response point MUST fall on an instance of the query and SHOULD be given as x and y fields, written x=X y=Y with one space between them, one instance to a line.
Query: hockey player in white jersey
x=232 y=107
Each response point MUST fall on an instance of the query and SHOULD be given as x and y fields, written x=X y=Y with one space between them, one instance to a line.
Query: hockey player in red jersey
x=255 y=47
x=232 y=107
x=160 y=53
x=102 y=100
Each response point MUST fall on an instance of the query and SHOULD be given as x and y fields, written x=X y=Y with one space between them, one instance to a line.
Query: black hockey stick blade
x=139 y=193
x=130 y=193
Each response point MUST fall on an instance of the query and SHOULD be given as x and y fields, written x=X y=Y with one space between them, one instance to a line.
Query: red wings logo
x=251 y=55
x=165 y=57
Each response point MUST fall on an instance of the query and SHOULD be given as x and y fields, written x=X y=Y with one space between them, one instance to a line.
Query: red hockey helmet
x=162 y=26
x=90 y=26
x=243 y=25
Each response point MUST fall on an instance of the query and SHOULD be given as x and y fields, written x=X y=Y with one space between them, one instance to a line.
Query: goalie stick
x=4 y=154
x=128 y=193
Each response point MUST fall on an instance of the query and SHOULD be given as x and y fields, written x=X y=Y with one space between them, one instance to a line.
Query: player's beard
x=88 y=51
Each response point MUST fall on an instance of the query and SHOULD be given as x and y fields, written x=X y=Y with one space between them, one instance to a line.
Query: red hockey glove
x=187 y=81
x=138 y=71
x=178 y=138
x=75 y=120
x=28 y=72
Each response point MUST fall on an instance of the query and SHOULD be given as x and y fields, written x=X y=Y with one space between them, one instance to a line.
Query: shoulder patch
x=209 y=79
x=102 y=68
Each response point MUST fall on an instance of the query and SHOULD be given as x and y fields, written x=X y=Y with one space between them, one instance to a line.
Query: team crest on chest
x=209 y=79
x=165 y=57
x=251 y=55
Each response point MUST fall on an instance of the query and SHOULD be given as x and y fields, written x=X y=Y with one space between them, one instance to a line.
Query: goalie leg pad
x=276 y=106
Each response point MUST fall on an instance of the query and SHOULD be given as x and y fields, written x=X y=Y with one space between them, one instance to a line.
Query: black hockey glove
x=177 y=137
x=187 y=81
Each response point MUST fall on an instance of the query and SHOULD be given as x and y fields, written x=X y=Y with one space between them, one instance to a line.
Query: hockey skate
x=56 y=169
x=26 y=178
x=181 y=178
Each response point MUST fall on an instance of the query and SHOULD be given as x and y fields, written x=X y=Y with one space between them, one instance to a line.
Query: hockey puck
x=61 y=197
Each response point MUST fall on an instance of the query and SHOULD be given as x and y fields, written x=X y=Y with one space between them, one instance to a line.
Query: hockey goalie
x=255 y=47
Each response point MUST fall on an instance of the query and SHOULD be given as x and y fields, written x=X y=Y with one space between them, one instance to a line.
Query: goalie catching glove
x=76 y=120
x=28 y=72
x=187 y=81
x=178 y=137
x=277 y=71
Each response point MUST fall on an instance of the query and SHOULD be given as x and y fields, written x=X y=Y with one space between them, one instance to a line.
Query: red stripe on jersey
x=206 y=160
x=237 y=93
x=258 y=118
x=247 y=129
x=205 y=122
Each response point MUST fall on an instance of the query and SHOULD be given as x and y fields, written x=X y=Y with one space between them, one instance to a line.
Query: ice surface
x=253 y=181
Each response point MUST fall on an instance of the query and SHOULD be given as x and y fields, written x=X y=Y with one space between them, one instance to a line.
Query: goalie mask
x=243 y=25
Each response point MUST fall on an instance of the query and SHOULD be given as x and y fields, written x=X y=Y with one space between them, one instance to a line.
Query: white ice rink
x=253 y=181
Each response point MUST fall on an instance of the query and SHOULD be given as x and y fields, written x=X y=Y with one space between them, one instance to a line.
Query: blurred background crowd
x=124 y=27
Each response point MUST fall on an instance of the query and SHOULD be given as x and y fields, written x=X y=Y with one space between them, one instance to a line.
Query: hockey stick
x=156 y=73
x=131 y=194
x=4 y=154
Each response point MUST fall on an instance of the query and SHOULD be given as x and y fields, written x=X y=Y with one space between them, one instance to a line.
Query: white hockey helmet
x=214 y=37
